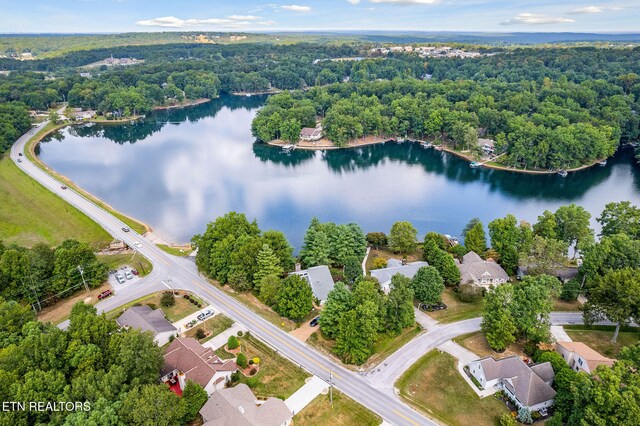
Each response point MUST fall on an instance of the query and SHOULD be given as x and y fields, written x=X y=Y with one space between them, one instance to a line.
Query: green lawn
x=345 y=412
x=181 y=309
x=434 y=386
x=456 y=309
x=277 y=376
x=386 y=344
x=175 y=251
x=599 y=338
x=134 y=260
x=213 y=326
x=31 y=214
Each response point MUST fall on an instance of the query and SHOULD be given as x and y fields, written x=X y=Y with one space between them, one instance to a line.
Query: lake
x=180 y=169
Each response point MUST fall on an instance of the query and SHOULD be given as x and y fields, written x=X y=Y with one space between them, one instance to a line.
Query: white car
x=205 y=314
x=129 y=275
x=120 y=279
x=137 y=244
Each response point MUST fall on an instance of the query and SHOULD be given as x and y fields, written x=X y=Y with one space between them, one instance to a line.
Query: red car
x=134 y=272
x=105 y=294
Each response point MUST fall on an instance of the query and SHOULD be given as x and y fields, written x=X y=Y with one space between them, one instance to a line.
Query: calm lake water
x=181 y=169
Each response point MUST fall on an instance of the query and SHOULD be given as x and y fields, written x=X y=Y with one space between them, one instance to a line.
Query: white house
x=528 y=387
x=186 y=359
x=480 y=272
x=146 y=319
x=488 y=146
x=395 y=266
x=311 y=133
x=581 y=357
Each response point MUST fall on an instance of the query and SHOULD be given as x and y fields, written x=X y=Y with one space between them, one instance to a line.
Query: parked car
x=137 y=244
x=20 y=154
x=430 y=308
x=135 y=272
x=120 y=278
x=63 y=187
x=204 y=315
x=128 y=275
x=105 y=294
x=19 y=160
x=314 y=322
x=125 y=229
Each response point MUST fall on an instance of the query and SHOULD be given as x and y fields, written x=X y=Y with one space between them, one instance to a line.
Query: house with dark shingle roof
x=581 y=357
x=186 y=359
x=146 y=319
x=395 y=266
x=480 y=272
x=528 y=387
x=238 y=406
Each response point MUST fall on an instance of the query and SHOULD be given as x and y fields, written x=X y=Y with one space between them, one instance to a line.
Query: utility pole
x=82 y=275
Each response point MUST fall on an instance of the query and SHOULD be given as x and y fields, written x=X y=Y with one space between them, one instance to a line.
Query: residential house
x=79 y=114
x=528 y=387
x=238 y=406
x=146 y=319
x=581 y=357
x=186 y=359
x=488 y=145
x=395 y=266
x=480 y=272
x=311 y=133
x=320 y=280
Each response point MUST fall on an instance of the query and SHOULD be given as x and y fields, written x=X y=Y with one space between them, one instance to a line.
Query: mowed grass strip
x=599 y=338
x=31 y=214
x=434 y=386
x=345 y=412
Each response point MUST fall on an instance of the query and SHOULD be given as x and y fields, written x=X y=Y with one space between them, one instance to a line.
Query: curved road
x=374 y=389
x=184 y=275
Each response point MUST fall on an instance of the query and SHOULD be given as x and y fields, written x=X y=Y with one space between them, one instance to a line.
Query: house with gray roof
x=528 y=387
x=238 y=406
x=146 y=319
x=480 y=272
x=186 y=359
x=320 y=280
x=395 y=266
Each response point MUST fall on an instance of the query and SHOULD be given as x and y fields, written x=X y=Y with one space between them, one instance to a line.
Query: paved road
x=184 y=276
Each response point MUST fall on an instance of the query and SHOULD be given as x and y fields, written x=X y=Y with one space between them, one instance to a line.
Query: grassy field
x=212 y=327
x=277 y=376
x=387 y=254
x=599 y=338
x=345 y=412
x=30 y=214
x=175 y=251
x=181 y=309
x=61 y=311
x=456 y=309
x=434 y=386
x=561 y=305
x=477 y=344
x=134 y=260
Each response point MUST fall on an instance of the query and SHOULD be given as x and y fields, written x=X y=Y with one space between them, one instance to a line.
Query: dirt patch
x=304 y=331
x=61 y=310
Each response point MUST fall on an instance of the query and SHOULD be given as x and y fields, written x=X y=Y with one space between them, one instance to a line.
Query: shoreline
x=182 y=105
x=326 y=145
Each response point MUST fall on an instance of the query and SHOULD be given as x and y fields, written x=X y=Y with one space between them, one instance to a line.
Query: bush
x=151 y=305
x=379 y=263
x=235 y=377
x=524 y=415
x=531 y=348
x=507 y=420
x=241 y=360
x=240 y=333
x=570 y=290
x=200 y=334
x=250 y=362
x=252 y=382
x=233 y=343
x=470 y=293
x=256 y=360
x=253 y=371
x=167 y=300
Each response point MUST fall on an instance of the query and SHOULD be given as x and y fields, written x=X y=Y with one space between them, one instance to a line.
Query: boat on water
x=288 y=148
x=562 y=173
x=474 y=165
x=427 y=145
x=602 y=163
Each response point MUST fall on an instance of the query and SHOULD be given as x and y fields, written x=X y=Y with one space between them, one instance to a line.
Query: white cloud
x=354 y=1
x=406 y=1
x=296 y=8
x=592 y=9
x=233 y=21
x=536 y=19
x=244 y=17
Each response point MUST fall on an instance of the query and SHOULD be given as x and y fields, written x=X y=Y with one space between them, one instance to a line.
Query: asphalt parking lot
x=114 y=282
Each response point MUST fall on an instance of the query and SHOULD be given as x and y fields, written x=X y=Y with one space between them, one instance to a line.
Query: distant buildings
x=186 y=359
x=320 y=280
x=581 y=357
x=528 y=387
x=427 y=51
x=146 y=319
x=395 y=266
x=483 y=273
x=238 y=406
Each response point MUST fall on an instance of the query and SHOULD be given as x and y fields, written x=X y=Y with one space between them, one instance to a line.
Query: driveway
x=304 y=331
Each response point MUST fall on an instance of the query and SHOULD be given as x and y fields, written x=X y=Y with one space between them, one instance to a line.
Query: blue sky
x=255 y=15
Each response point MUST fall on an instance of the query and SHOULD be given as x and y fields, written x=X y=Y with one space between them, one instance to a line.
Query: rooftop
x=320 y=280
x=593 y=357
x=394 y=267
x=146 y=319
